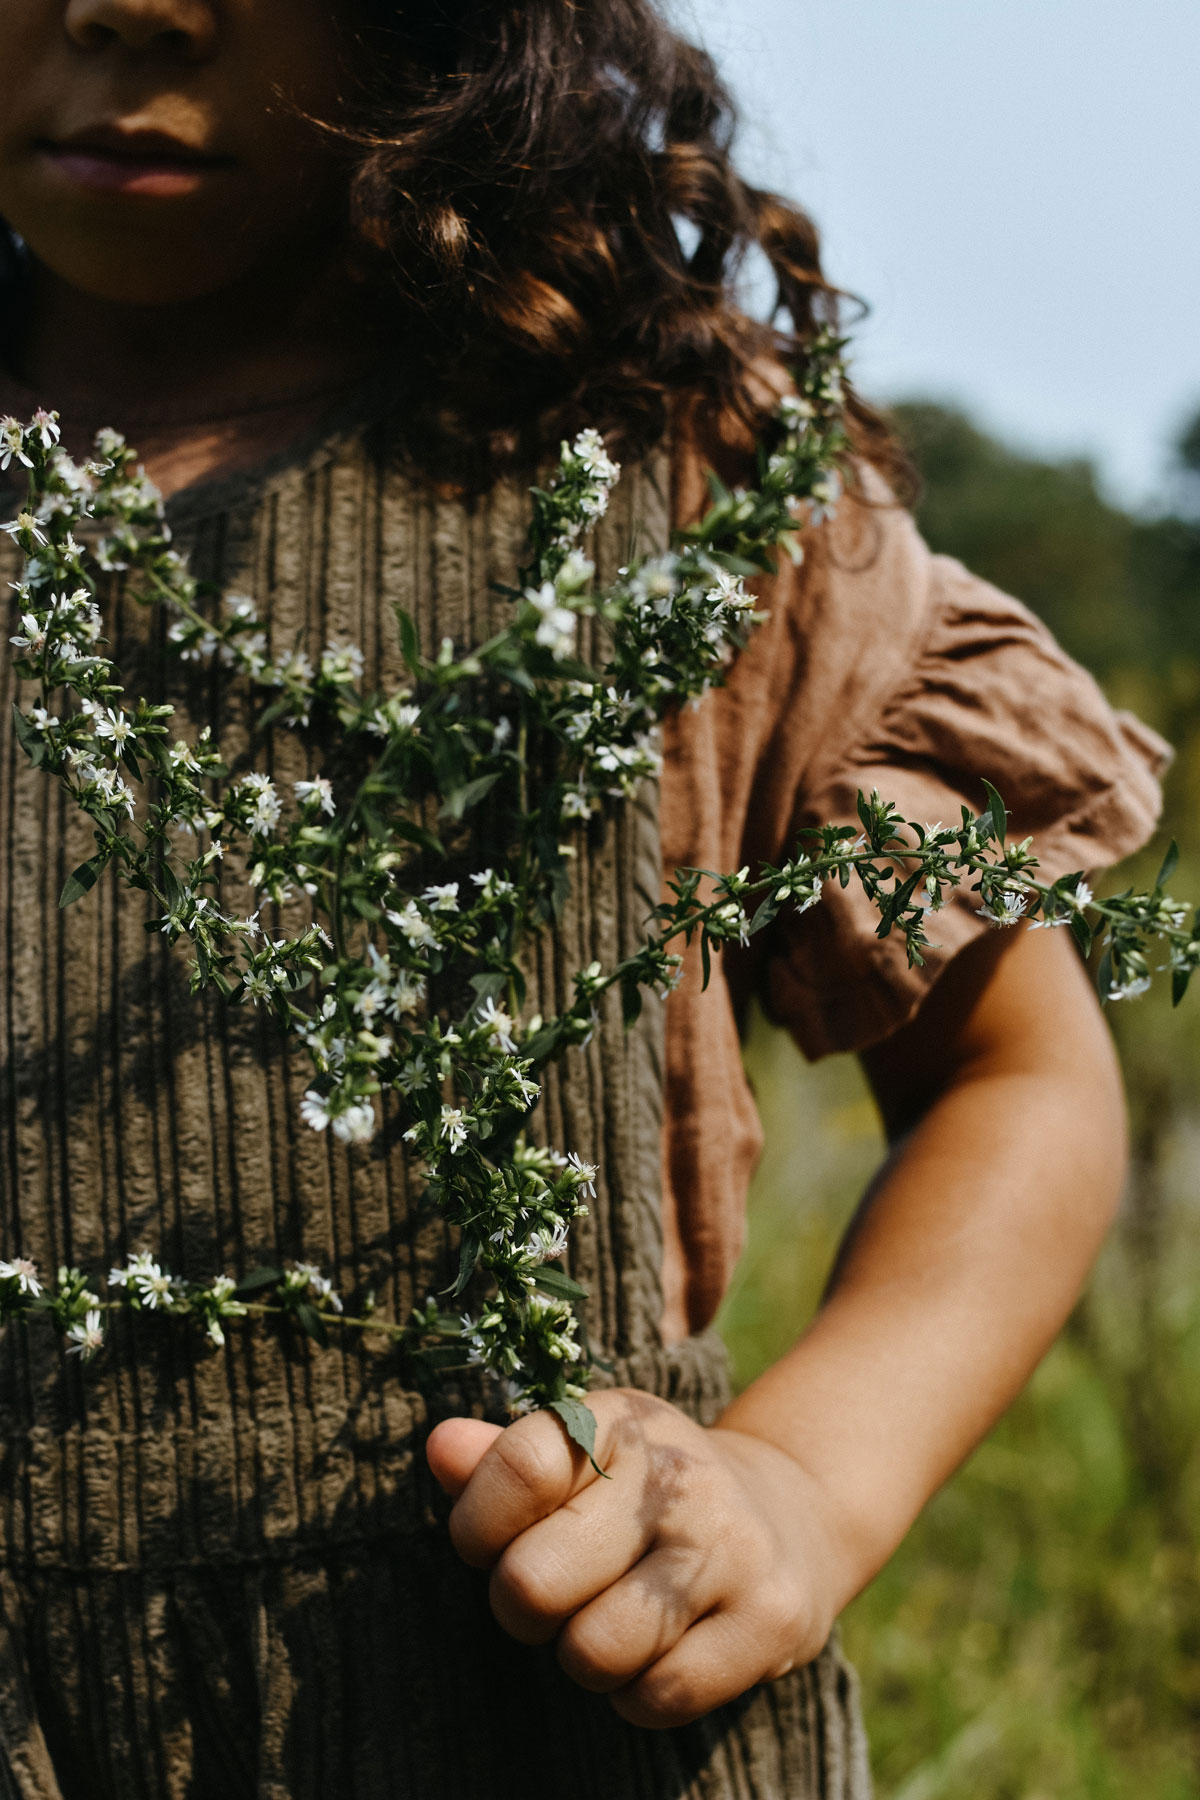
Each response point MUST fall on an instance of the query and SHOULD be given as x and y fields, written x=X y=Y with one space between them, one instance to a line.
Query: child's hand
x=703 y=1566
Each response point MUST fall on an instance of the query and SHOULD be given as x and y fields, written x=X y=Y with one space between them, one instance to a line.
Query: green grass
x=1038 y=1635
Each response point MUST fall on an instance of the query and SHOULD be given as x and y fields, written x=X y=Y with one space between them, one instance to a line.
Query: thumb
x=455 y=1449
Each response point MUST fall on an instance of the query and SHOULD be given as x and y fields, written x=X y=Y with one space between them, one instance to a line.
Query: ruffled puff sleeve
x=982 y=691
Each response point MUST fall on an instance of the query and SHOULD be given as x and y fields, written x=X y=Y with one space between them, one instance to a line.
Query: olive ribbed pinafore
x=225 y=1574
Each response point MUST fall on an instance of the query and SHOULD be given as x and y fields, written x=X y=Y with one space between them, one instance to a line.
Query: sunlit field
x=1038 y=1635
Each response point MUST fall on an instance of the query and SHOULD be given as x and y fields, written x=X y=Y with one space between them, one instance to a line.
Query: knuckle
x=586 y=1655
x=656 y=1702
x=524 y=1459
x=523 y=1586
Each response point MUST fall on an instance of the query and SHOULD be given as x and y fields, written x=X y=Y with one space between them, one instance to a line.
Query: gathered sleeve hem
x=988 y=694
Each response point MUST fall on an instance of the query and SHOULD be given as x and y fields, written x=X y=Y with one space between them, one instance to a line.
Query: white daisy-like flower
x=355 y=1124
x=304 y=1274
x=1006 y=908
x=442 y=897
x=585 y=1173
x=114 y=725
x=32 y=635
x=318 y=793
x=1129 y=990
x=453 y=1127
x=314 y=1110
x=25 y=521
x=86 y=1336
x=415 y=926
x=24 y=1272
x=266 y=808
x=497 y=1022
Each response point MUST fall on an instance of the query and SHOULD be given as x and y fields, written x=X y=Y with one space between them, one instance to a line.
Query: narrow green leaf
x=463 y=798
x=170 y=887
x=1179 y=985
x=1170 y=863
x=765 y=913
x=553 y=1281
x=1081 y=931
x=468 y=1256
x=31 y=743
x=580 y=1422
x=312 y=1324
x=258 y=1279
x=705 y=958
x=996 y=808
x=490 y=985
x=410 y=643
x=83 y=880
x=1104 y=974
x=631 y=1001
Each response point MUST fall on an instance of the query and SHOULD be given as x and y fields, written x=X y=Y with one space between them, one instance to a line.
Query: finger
x=720 y=1657
x=556 y=1566
x=638 y=1619
x=455 y=1449
x=530 y=1470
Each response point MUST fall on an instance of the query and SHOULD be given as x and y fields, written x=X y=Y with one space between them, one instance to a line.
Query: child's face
x=232 y=180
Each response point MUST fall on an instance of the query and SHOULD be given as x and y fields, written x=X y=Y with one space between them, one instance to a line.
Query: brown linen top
x=879 y=665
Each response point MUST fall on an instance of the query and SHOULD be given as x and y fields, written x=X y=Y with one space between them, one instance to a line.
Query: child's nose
x=187 y=27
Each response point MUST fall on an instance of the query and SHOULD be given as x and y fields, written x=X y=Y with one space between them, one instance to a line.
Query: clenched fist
x=703 y=1565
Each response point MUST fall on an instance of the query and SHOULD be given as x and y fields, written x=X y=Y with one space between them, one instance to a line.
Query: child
x=344 y=273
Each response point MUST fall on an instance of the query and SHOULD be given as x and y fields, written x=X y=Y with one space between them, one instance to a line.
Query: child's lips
x=149 y=164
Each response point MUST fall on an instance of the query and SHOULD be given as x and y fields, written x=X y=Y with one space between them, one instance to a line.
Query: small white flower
x=356 y=1124
x=1005 y=909
x=415 y=926
x=314 y=1110
x=264 y=813
x=25 y=521
x=85 y=1337
x=497 y=1022
x=585 y=1173
x=114 y=725
x=443 y=897
x=23 y=1272
x=317 y=793
x=1129 y=990
x=453 y=1127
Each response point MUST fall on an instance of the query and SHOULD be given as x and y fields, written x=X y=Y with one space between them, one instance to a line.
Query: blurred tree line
x=1038 y=1636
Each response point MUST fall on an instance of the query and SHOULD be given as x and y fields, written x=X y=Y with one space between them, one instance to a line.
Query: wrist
x=815 y=1552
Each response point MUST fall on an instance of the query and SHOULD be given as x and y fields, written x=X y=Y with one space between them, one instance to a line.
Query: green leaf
x=1081 y=931
x=490 y=985
x=1170 y=863
x=996 y=808
x=1179 y=985
x=311 y=1323
x=257 y=1279
x=705 y=958
x=1104 y=974
x=31 y=743
x=765 y=913
x=553 y=1281
x=410 y=643
x=83 y=880
x=468 y=1256
x=171 y=887
x=580 y=1422
x=631 y=1001
x=463 y=798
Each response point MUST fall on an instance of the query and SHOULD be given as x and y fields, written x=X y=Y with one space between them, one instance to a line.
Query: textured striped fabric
x=225 y=1572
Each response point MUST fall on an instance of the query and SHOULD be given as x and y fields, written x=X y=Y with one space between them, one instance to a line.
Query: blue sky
x=1011 y=184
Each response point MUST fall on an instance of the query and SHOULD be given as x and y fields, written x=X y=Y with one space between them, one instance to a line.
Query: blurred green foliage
x=1038 y=1635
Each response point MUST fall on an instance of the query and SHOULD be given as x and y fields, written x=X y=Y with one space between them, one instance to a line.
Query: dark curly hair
x=550 y=185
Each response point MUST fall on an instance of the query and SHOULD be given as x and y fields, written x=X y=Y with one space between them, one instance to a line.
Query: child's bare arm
x=714 y=1559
